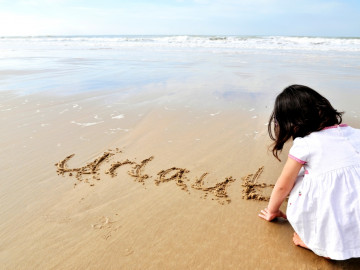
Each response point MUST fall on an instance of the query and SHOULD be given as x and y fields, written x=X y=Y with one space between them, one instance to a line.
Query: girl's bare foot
x=297 y=241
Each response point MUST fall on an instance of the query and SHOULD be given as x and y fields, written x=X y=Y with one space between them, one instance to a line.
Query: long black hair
x=298 y=111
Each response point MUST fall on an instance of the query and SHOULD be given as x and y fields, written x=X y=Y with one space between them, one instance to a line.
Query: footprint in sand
x=106 y=225
x=128 y=251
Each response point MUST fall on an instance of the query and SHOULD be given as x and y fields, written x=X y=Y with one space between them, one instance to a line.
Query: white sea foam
x=86 y=124
x=217 y=113
x=63 y=111
x=115 y=130
x=119 y=129
x=23 y=125
x=120 y=116
x=227 y=42
x=168 y=109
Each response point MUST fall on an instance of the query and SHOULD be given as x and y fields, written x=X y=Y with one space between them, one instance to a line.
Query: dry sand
x=164 y=186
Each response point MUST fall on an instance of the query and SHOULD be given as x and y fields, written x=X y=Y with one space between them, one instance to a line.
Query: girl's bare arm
x=282 y=188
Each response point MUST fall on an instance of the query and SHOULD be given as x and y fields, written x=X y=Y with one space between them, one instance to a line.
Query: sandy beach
x=149 y=168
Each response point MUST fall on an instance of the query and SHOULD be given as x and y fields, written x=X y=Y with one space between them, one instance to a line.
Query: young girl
x=322 y=174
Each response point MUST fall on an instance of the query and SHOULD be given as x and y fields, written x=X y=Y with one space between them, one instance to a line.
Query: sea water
x=222 y=66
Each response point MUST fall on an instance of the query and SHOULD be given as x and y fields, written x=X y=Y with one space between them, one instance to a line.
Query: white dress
x=324 y=205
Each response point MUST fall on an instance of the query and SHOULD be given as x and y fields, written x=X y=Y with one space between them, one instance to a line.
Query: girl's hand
x=269 y=216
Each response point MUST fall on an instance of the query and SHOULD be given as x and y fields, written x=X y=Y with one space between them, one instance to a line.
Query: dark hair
x=298 y=111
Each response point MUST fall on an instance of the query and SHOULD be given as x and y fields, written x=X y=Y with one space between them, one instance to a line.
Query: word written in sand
x=91 y=172
x=250 y=186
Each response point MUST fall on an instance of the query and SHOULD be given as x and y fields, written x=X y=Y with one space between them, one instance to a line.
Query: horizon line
x=166 y=35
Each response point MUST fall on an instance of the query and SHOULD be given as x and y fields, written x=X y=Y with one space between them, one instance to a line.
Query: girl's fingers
x=262 y=216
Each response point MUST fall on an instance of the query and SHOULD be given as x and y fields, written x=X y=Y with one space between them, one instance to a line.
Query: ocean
x=224 y=66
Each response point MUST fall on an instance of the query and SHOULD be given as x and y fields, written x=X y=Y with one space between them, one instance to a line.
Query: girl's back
x=330 y=149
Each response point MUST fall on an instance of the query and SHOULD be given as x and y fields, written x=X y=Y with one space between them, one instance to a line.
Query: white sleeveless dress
x=324 y=205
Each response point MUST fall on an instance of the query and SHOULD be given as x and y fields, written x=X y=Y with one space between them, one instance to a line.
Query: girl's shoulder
x=352 y=133
x=332 y=136
x=300 y=150
x=353 y=130
x=330 y=133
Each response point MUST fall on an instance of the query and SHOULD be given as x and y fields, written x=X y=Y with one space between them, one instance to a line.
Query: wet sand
x=164 y=185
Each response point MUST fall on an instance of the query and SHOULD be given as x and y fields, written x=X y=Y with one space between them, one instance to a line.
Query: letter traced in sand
x=91 y=168
x=136 y=170
x=116 y=165
x=178 y=177
x=62 y=167
x=249 y=186
x=219 y=190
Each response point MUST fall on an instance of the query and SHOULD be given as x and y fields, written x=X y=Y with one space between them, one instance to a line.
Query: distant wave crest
x=229 y=42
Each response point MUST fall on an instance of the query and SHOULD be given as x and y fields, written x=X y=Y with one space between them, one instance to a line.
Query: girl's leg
x=297 y=241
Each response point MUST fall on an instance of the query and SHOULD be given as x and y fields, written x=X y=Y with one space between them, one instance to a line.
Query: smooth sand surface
x=164 y=214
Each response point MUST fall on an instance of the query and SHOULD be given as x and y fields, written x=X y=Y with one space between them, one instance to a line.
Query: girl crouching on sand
x=322 y=174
